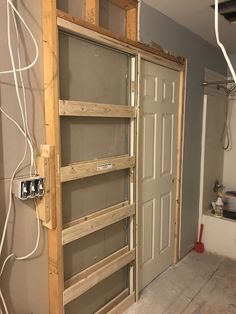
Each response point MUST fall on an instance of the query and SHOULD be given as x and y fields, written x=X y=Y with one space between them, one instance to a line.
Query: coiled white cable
x=219 y=43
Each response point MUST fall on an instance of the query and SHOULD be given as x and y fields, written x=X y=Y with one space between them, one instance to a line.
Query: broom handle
x=201 y=231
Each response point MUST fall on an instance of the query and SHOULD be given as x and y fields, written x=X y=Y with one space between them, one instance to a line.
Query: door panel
x=165 y=235
x=149 y=160
x=148 y=241
x=167 y=144
x=159 y=113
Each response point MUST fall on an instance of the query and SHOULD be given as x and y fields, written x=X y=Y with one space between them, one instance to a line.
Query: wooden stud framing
x=130 y=7
x=137 y=200
x=92 y=11
x=88 y=278
x=74 y=25
x=85 y=169
x=46 y=168
x=125 y=4
x=94 y=222
x=86 y=109
x=85 y=273
x=132 y=173
x=131 y=24
x=108 y=266
x=123 y=305
x=181 y=114
x=52 y=137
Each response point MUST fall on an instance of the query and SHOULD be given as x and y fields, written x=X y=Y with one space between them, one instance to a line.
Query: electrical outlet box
x=28 y=188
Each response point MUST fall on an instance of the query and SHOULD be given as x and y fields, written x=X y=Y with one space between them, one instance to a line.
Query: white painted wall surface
x=229 y=174
x=219 y=236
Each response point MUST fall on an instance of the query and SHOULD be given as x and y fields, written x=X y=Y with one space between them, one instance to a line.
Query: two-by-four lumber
x=123 y=305
x=116 y=300
x=131 y=24
x=77 y=26
x=130 y=6
x=92 y=11
x=77 y=229
x=46 y=168
x=86 y=169
x=125 y=4
x=88 y=109
x=52 y=137
x=93 y=268
x=91 y=276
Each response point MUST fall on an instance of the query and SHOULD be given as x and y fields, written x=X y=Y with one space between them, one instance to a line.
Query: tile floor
x=200 y=284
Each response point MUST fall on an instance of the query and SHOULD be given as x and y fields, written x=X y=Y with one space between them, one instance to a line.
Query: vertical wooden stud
x=50 y=54
x=137 y=197
x=46 y=168
x=92 y=11
x=132 y=176
x=131 y=24
x=179 y=162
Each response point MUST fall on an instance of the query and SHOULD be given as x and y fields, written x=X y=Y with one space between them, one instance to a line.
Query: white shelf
x=209 y=213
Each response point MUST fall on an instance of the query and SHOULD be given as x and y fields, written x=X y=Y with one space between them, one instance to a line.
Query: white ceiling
x=198 y=16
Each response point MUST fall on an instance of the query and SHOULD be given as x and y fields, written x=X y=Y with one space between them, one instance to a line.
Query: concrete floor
x=199 y=284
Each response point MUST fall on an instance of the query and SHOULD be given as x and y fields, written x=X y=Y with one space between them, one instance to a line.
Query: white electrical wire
x=14 y=71
x=32 y=164
x=3 y=302
x=219 y=43
x=28 y=255
x=34 y=41
x=24 y=130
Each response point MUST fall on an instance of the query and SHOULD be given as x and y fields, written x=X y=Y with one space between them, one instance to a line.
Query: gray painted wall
x=24 y=283
x=200 y=54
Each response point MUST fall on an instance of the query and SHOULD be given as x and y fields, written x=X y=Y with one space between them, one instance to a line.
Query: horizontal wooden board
x=72 y=24
x=86 y=169
x=91 y=276
x=94 y=215
x=125 y=4
x=115 y=301
x=85 y=273
x=123 y=305
x=87 y=109
x=77 y=229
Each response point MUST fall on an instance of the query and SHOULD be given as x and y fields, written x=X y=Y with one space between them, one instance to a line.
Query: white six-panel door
x=158 y=124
